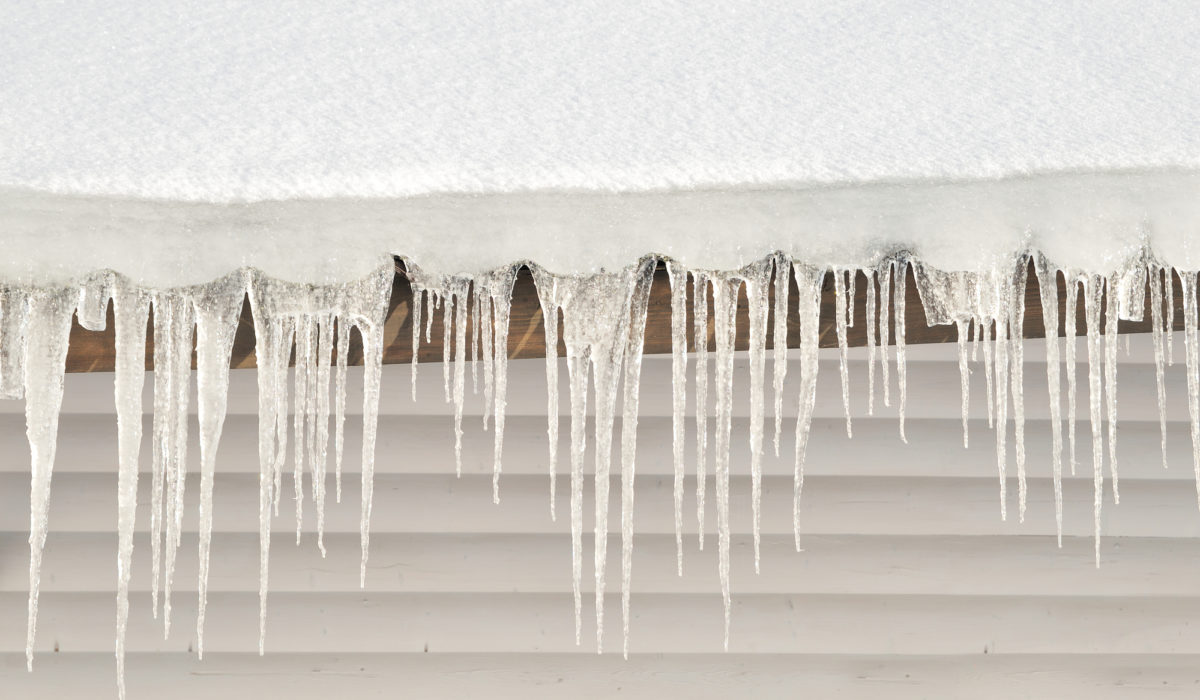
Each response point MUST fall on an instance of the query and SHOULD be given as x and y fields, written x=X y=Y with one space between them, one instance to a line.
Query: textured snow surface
x=469 y=135
x=224 y=100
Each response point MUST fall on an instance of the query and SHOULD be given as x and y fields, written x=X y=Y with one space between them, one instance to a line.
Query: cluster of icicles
x=603 y=320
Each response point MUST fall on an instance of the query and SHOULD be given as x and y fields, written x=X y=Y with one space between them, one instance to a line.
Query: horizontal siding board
x=642 y=677
x=675 y=623
x=950 y=565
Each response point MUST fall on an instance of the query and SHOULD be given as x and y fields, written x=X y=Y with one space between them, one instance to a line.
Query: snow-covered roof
x=416 y=104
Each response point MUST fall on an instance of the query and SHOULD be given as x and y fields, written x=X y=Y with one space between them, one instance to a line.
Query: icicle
x=163 y=323
x=418 y=301
x=448 y=301
x=301 y=371
x=989 y=351
x=964 y=373
x=1191 y=345
x=808 y=281
x=577 y=371
x=758 y=280
x=783 y=278
x=901 y=362
x=1092 y=292
x=370 y=302
x=1070 y=314
x=629 y=418
x=218 y=306
x=1110 y=381
x=459 y=288
x=131 y=306
x=1047 y=278
x=725 y=295
x=488 y=357
x=1169 y=311
x=1017 y=340
x=678 y=278
x=500 y=288
x=700 y=330
x=872 y=322
x=1002 y=300
x=841 y=312
x=476 y=340
x=1156 y=333
x=885 y=295
x=547 y=293
x=46 y=335
x=268 y=335
x=178 y=381
x=596 y=322
x=343 y=349
x=321 y=438
x=283 y=347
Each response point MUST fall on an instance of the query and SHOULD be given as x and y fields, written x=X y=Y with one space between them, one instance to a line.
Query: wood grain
x=92 y=351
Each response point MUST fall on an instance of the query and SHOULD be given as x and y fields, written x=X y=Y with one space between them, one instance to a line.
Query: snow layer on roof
x=310 y=139
x=218 y=100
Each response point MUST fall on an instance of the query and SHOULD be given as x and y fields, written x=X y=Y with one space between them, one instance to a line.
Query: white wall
x=909 y=585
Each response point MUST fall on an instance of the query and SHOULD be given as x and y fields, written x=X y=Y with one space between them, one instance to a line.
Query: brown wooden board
x=92 y=351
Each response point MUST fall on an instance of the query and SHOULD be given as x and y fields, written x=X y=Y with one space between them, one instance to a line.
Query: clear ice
x=303 y=334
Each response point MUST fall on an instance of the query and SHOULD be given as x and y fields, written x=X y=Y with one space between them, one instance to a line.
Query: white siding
x=909 y=585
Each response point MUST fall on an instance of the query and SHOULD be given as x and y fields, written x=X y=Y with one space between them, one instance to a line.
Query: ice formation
x=308 y=327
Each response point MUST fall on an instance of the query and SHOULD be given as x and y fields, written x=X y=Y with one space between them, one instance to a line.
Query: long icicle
x=842 y=311
x=678 y=278
x=218 y=306
x=757 y=277
x=872 y=327
x=547 y=295
x=1070 y=316
x=700 y=331
x=629 y=418
x=1110 y=381
x=180 y=356
x=725 y=296
x=901 y=360
x=131 y=307
x=1156 y=333
x=808 y=281
x=783 y=280
x=45 y=362
x=1017 y=340
x=1047 y=278
x=1092 y=291
x=501 y=287
x=1191 y=345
